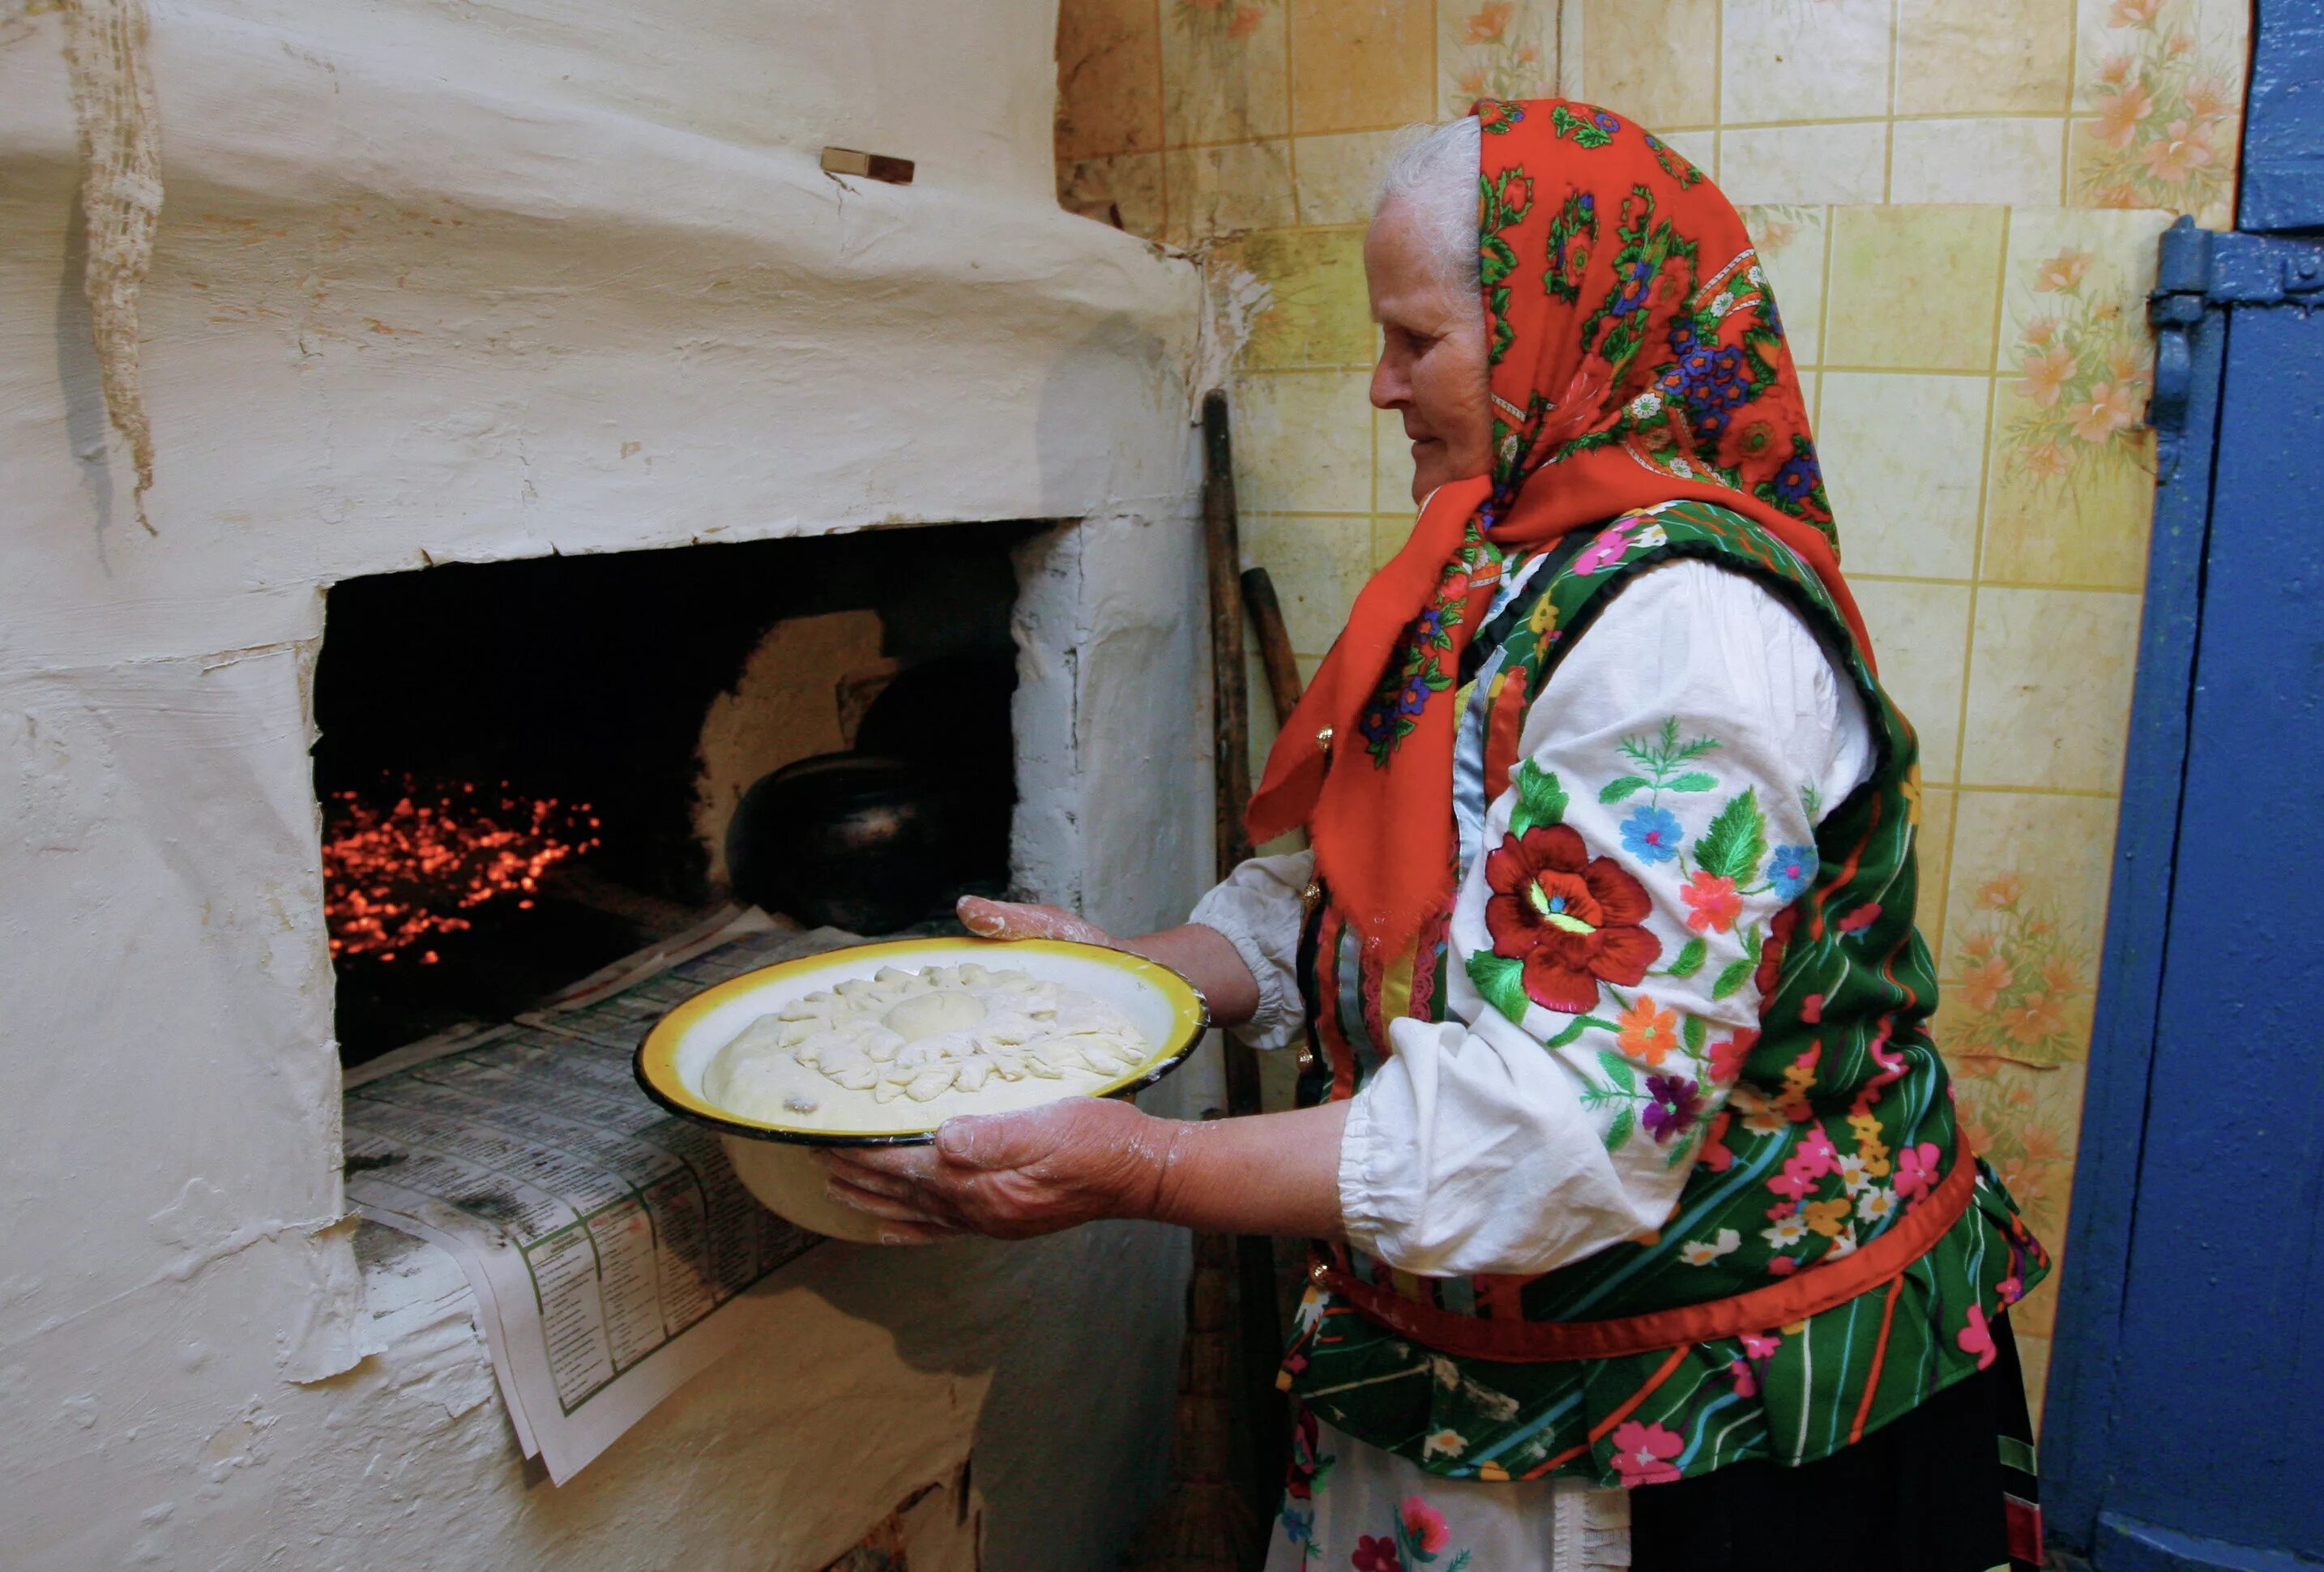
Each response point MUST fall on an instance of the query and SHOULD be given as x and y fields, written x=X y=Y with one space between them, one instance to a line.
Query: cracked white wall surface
x=437 y=283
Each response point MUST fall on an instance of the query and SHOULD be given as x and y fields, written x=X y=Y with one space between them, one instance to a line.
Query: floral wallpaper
x=2083 y=102
x=2162 y=81
x=1496 y=52
x=1958 y=202
x=1185 y=119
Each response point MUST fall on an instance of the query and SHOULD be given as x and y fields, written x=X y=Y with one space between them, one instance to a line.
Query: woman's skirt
x=1950 y=1487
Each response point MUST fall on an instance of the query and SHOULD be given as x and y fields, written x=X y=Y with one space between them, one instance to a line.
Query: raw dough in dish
x=946 y=1040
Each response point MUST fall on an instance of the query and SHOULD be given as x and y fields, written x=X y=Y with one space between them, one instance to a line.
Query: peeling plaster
x=106 y=44
x=1233 y=300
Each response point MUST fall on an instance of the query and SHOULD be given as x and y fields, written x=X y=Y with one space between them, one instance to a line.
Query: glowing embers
x=394 y=876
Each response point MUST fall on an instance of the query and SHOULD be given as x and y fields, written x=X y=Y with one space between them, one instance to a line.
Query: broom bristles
x=1201 y=1525
x=1203 y=1522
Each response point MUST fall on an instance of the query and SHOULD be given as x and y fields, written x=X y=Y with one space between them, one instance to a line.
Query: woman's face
x=1432 y=363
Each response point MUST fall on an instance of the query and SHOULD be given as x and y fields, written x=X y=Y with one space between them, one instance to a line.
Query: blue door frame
x=2184 y=1429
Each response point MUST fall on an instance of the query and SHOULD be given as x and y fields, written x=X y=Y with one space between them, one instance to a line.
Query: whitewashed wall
x=462 y=283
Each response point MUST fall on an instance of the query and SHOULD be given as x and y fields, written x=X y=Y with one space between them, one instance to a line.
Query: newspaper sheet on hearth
x=610 y=1246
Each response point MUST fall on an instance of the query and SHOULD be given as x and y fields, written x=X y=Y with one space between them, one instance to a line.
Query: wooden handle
x=1273 y=641
x=1230 y=706
x=1261 y=1334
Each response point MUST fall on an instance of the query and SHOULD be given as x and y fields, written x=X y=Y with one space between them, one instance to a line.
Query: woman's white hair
x=1433 y=178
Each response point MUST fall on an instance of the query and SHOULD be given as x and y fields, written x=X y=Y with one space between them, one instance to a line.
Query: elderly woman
x=1645 y=1237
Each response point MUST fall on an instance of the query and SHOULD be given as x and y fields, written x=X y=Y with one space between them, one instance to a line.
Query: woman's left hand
x=1012 y=1174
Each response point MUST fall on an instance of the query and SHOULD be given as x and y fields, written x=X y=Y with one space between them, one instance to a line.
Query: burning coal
x=395 y=876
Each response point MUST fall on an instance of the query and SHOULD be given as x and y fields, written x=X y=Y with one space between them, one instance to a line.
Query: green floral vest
x=1838 y=1128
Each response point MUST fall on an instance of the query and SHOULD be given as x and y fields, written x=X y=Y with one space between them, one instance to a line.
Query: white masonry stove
x=458 y=321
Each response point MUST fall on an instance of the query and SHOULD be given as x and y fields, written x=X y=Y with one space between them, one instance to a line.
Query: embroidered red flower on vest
x=1573 y=919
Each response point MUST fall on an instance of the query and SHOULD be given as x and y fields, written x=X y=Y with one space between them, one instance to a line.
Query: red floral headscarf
x=1636 y=358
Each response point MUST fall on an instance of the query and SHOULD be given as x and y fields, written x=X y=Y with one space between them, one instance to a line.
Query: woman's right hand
x=1202 y=955
x=1022 y=919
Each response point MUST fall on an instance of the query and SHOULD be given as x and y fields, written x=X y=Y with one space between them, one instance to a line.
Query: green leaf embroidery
x=1751 y=944
x=1693 y=780
x=1735 y=974
x=1665 y=752
x=1619 y=1131
x=1575 y=1027
x=1501 y=980
x=1736 y=840
x=1690 y=958
x=1695 y=1034
x=1540 y=798
x=1618 y=1070
x=1616 y=789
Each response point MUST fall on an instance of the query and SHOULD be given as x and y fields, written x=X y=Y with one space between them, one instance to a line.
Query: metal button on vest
x=1324 y=739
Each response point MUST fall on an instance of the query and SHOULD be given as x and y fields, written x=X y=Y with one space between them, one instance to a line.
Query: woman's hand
x=1019 y=919
x=1080 y=1158
x=1013 y=1176
x=1202 y=955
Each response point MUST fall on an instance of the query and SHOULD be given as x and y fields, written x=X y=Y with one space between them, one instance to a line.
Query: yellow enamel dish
x=1168 y=1010
x=776 y=1163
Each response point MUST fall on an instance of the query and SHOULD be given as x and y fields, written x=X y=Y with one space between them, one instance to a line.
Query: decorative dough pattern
x=920 y=1035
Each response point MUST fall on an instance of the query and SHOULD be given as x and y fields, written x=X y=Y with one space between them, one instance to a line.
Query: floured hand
x=1013 y=1176
x=1202 y=955
x=1021 y=919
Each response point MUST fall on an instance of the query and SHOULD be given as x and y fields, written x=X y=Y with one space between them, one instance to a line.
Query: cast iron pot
x=857 y=841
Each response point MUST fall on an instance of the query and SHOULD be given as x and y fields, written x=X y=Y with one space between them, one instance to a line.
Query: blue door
x=2185 y=1426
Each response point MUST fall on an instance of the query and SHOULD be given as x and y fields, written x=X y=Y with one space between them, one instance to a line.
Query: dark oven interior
x=529 y=769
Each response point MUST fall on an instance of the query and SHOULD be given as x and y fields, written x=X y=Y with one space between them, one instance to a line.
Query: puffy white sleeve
x=1258 y=911
x=1606 y=933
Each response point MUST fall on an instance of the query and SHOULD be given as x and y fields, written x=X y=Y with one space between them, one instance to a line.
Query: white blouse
x=1479 y=1146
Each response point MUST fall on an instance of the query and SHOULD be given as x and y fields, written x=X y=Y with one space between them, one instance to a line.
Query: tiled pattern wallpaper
x=2036 y=103
x=1994 y=490
x=1194 y=118
x=1958 y=202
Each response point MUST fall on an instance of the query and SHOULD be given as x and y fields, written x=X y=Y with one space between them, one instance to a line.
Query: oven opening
x=528 y=770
